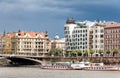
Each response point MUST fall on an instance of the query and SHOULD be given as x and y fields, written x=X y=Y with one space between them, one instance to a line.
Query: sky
x=51 y=15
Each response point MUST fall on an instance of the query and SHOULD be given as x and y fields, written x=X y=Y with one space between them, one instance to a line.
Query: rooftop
x=113 y=25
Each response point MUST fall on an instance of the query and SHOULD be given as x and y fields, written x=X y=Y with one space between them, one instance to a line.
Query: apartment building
x=97 y=37
x=77 y=35
x=5 y=43
x=27 y=43
x=111 y=37
x=68 y=30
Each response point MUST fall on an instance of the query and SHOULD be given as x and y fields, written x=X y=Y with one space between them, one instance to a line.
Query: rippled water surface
x=27 y=72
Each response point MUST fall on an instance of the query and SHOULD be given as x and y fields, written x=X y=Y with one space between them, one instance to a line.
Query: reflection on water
x=31 y=72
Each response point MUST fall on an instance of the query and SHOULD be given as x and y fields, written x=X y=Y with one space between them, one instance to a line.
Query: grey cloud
x=33 y=6
x=52 y=13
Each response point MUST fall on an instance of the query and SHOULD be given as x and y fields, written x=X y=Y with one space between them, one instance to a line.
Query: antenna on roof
x=98 y=20
x=4 y=32
x=46 y=33
x=19 y=32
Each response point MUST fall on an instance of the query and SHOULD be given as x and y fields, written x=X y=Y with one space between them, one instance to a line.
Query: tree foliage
x=86 y=52
x=67 y=54
x=100 y=51
x=73 y=53
x=91 y=52
x=79 y=53
x=108 y=51
x=55 y=52
x=115 y=51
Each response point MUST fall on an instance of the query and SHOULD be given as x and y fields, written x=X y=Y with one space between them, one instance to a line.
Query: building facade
x=58 y=43
x=77 y=35
x=5 y=43
x=68 y=30
x=97 y=37
x=27 y=43
x=80 y=37
x=112 y=38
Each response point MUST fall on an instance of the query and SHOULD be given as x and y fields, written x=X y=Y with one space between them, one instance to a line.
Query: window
x=83 y=30
x=80 y=46
x=101 y=30
x=101 y=41
x=95 y=41
x=101 y=46
x=101 y=36
x=95 y=31
x=96 y=46
x=95 y=36
x=80 y=42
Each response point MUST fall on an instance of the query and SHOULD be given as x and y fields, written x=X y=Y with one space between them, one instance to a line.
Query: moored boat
x=102 y=68
x=80 y=65
x=94 y=66
x=57 y=67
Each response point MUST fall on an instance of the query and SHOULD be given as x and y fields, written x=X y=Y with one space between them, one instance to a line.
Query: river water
x=36 y=72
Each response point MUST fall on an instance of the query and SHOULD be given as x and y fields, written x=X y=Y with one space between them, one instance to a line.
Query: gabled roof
x=27 y=34
x=32 y=34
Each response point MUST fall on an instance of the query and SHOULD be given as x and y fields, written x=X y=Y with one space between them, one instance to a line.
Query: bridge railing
x=17 y=55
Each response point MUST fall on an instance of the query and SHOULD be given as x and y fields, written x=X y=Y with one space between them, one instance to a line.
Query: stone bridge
x=23 y=61
x=40 y=60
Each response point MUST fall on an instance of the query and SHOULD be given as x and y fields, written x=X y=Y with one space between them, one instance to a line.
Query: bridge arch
x=23 y=61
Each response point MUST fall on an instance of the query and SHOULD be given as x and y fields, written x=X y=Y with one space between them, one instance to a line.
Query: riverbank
x=105 y=60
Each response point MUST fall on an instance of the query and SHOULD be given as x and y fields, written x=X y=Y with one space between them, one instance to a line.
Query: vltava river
x=27 y=72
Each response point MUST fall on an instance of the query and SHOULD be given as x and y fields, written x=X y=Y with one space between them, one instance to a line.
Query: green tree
x=73 y=53
x=59 y=51
x=100 y=52
x=115 y=51
x=66 y=54
x=108 y=52
x=55 y=52
x=86 y=53
x=79 y=53
x=91 y=52
x=50 y=53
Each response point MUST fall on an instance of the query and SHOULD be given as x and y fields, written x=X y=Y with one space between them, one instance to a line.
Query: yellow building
x=27 y=43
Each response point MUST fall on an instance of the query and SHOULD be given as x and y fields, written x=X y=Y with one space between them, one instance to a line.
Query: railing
x=17 y=55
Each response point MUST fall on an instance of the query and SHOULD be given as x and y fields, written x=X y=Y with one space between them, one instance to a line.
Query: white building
x=68 y=30
x=77 y=35
x=97 y=37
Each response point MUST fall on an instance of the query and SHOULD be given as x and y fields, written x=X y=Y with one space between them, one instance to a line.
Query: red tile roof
x=23 y=33
x=32 y=34
x=113 y=25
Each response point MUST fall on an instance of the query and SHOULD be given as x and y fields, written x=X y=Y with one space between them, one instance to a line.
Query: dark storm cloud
x=42 y=15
